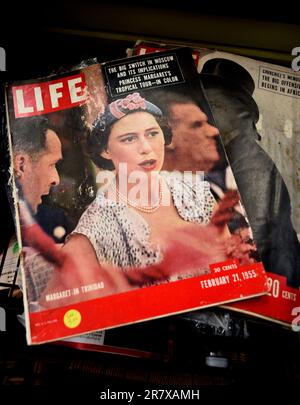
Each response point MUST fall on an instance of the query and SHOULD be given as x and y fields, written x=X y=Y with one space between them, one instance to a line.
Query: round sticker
x=72 y=318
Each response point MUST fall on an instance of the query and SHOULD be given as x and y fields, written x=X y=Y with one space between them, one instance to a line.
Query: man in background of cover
x=229 y=88
x=37 y=150
x=195 y=147
x=194 y=139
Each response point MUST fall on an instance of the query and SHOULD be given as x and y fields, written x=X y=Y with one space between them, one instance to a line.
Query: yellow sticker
x=72 y=318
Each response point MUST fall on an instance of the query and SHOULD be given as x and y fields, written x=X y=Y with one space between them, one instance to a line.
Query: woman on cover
x=165 y=232
x=130 y=139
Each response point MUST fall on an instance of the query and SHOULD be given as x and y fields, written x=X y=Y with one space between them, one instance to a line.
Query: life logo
x=2 y=320
x=296 y=61
x=2 y=60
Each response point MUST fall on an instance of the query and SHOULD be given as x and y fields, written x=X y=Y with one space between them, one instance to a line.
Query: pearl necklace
x=142 y=208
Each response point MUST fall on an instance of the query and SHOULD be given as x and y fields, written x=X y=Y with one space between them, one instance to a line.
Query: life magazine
x=126 y=206
x=255 y=106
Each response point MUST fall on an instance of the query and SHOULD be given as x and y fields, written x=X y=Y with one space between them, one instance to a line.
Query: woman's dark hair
x=97 y=139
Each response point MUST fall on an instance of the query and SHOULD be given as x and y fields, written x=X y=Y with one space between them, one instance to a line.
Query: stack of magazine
x=128 y=207
x=255 y=106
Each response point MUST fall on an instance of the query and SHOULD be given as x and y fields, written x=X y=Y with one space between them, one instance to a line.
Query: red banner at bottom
x=281 y=304
x=148 y=303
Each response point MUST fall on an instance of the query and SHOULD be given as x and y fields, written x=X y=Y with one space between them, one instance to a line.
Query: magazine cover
x=118 y=223
x=255 y=107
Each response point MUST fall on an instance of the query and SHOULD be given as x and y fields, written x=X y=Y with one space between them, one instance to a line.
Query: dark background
x=40 y=37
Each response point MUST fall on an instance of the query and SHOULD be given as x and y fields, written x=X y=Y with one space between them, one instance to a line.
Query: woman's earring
x=18 y=174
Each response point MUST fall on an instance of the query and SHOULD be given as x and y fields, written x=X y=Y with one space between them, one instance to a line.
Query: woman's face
x=138 y=141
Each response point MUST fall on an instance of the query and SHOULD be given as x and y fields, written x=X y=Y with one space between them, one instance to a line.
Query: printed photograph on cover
x=263 y=150
x=122 y=217
x=260 y=128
